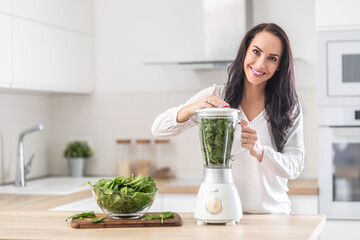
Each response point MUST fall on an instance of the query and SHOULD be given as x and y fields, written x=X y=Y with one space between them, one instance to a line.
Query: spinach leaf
x=217 y=136
x=82 y=215
x=96 y=220
x=161 y=216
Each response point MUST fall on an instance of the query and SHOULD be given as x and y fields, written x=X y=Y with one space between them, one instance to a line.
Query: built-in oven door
x=343 y=64
x=339 y=172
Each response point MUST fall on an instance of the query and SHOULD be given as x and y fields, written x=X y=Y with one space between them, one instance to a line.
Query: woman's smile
x=256 y=72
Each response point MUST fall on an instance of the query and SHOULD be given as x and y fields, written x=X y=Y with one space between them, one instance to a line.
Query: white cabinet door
x=51 y=59
x=5 y=51
x=304 y=204
x=5 y=6
x=179 y=202
x=73 y=15
x=157 y=205
x=337 y=14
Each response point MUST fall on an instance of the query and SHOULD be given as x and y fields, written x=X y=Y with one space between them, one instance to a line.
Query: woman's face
x=262 y=57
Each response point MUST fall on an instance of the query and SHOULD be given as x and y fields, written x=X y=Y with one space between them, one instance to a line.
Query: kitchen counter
x=297 y=186
x=26 y=217
x=51 y=225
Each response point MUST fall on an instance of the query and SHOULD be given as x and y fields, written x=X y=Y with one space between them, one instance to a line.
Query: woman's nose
x=260 y=62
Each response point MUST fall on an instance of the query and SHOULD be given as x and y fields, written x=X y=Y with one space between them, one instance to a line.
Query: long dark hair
x=280 y=93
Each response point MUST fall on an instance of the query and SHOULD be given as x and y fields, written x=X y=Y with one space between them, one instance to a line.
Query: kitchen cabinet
x=5 y=6
x=337 y=15
x=304 y=204
x=6 y=51
x=51 y=59
x=69 y=14
x=179 y=202
x=174 y=202
x=47 y=45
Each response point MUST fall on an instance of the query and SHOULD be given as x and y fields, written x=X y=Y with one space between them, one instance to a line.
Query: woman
x=268 y=150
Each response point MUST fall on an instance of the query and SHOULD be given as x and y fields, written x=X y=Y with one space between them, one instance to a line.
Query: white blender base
x=226 y=193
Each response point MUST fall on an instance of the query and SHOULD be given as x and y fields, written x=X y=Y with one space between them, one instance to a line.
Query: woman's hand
x=250 y=140
x=210 y=101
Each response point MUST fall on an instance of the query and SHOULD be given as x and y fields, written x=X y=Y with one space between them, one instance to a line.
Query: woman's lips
x=257 y=73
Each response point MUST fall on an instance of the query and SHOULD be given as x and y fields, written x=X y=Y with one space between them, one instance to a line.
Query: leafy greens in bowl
x=125 y=197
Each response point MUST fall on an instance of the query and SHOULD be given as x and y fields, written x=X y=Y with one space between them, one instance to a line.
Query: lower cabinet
x=174 y=203
x=304 y=204
x=300 y=204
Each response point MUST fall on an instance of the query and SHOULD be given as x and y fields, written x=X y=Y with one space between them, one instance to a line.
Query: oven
x=339 y=123
x=339 y=172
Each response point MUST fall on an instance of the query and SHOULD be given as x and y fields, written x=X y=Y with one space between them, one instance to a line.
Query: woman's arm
x=178 y=119
x=290 y=162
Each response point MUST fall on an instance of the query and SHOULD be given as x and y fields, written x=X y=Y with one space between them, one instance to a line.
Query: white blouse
x=262 y=185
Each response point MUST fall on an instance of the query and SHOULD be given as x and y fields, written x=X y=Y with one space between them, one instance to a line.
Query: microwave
x=338 y=68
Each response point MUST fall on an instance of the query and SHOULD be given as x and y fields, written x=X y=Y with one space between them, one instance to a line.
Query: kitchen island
x=27 y=217
x=51 y=225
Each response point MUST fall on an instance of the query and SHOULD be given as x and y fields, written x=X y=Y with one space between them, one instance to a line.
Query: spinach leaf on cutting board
x=161 y=216
x=89 y=215
x=81 y=216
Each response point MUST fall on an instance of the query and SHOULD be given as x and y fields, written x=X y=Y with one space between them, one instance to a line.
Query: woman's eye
x=273 y=59
x=256 y=52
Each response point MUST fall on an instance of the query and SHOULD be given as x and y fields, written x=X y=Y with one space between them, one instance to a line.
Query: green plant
x=77 y=149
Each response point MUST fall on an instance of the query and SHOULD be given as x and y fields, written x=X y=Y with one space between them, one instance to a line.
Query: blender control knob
x=214 y=205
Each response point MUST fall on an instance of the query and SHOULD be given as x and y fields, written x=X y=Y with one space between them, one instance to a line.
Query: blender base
x=218 y=200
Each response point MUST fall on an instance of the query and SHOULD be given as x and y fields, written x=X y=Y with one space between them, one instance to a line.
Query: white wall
x=18 y=112
x=129 y=95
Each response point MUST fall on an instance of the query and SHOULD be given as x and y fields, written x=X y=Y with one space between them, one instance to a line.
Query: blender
x=218 y=200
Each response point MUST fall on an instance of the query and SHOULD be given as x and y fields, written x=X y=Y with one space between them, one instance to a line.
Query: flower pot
x=77 y=167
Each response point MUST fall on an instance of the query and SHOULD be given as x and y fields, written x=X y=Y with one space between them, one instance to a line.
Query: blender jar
x=216 y=128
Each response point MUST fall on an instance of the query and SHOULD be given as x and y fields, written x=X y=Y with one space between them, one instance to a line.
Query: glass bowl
x=119 y=205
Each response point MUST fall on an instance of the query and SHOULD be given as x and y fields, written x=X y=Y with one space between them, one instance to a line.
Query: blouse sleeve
x=290 y=162
x=165 y=125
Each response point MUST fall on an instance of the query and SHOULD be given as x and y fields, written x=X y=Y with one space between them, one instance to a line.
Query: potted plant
x=77 y=153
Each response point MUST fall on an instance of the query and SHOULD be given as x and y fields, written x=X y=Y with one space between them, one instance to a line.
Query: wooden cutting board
x=126 y=223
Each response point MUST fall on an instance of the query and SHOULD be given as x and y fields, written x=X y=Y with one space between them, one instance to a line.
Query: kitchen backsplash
x=18 y=112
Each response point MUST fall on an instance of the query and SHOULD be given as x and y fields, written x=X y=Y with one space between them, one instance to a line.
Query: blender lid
x=217 y=112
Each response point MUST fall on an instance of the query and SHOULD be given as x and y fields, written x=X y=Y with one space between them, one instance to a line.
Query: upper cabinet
x=5 y=6
x=51 y=59
x=52 y=45
x=6 y=51
x=337 y=15
x=68 y=14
